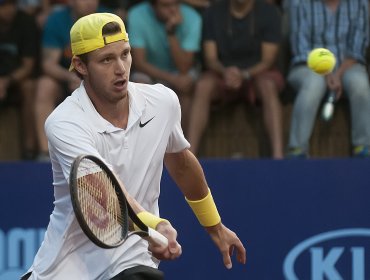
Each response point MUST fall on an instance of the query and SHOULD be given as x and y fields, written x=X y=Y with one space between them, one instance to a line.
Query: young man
x=19 y=41
x=166 y=37
x=240 y=45
x=56 y=82
x=134 y=128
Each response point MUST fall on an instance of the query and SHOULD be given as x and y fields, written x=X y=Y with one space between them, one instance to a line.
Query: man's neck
x=118 y=115
x=332 y=4
x=239 y=8
x=114 y=112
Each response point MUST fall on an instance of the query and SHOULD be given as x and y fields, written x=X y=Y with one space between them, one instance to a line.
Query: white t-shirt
x=136 y=156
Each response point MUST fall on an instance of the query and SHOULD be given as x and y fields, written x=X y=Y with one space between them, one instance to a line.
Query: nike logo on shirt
x=144 y=124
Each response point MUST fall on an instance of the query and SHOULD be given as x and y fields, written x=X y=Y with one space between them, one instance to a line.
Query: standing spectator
x=341 y=26
x=19 y=41
x=165 y=37
x=241 y=43
x=57 y=82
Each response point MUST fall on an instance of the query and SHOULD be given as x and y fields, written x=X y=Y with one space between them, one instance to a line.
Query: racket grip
x=157 y=237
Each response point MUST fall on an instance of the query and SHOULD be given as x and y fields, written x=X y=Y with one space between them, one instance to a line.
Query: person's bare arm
x=211 y=58
x=25 y=70
x=51 y=67
x=142 y=65
x=188 y=174
x=198 y=3
x=232 y=75
x=268 y=58
x=346 y=64
x=19 y=74
x=173 y=250
x=184 y=60
x=334 y=80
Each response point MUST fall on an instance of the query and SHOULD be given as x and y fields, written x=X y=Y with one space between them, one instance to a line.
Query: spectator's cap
x=86 y=33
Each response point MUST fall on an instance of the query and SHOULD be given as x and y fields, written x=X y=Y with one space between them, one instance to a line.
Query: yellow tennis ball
x=321 y=61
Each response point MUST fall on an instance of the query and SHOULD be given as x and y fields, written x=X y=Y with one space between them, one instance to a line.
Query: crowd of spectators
x=207 y=51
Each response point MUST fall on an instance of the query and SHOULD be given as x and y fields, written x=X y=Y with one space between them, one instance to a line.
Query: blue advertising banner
x=298 y=219
x=26 y=201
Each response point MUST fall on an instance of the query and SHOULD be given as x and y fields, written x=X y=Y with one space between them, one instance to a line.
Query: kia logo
x=323 y=260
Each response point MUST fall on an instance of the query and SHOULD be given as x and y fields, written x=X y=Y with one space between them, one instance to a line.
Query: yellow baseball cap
x=86 y=33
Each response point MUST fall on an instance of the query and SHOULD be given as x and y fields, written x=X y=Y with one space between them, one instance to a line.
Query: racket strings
x=100 y=206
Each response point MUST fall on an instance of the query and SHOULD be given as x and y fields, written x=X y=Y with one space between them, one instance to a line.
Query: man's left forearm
x=346 y=64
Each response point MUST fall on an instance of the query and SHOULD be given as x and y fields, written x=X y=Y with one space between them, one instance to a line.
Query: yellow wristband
x=149 y=219
x=205 y=210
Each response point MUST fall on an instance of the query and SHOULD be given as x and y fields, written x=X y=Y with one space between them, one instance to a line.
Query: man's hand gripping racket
x=101 y=206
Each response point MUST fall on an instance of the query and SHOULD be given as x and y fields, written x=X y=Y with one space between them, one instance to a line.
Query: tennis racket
x=101 y=207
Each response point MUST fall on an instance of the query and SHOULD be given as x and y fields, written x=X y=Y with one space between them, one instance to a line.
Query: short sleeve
x=272 y=31
x=207 y=29
x=177 y=141
x=52 y=34
x=191 y=29
x=136 y=28
x=30 y=38
x=67 y=140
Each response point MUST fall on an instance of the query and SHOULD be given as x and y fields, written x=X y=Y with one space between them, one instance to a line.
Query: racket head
x=98 y=201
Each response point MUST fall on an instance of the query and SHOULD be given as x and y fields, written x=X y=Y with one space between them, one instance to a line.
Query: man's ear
x=79 y=65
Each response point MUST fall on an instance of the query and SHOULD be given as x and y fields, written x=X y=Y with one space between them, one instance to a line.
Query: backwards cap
x=86 y=33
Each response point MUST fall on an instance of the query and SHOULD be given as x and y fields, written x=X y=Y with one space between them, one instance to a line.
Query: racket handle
x=157 y=237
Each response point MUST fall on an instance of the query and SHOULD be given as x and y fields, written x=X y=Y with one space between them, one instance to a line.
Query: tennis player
x=134 y=128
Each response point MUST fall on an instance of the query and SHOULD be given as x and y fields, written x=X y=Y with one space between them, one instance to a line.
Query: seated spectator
x=40 y=8
x=56 y=82
x=119 y=7
x=165 y=37
x=348 y=39
x=275 y=2
x=199 y=5
x=19 y=49
x=241 y=43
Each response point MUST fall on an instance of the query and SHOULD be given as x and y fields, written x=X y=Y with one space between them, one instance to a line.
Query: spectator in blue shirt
x=165 y=38
x=57 y=82
x=341 y=26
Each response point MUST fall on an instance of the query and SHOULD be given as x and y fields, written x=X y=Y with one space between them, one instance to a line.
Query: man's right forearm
x=215 y=66
x=154 y=72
